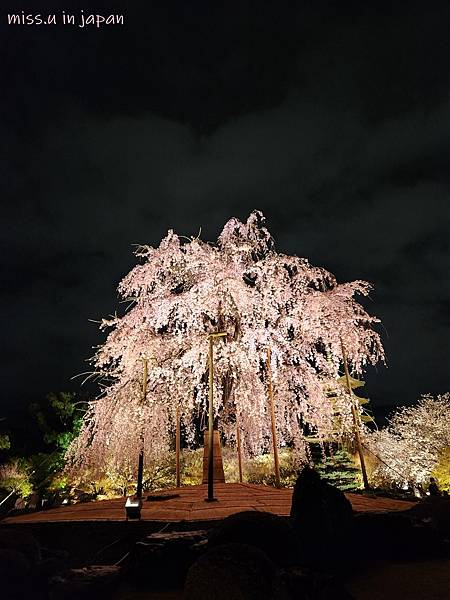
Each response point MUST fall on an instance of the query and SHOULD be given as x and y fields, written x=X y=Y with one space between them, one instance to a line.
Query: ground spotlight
x=133 y=507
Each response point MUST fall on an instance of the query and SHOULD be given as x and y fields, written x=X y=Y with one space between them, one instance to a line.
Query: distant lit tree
x=59 y=418
x=441 y=472
x=411 y=445
x=187 y=289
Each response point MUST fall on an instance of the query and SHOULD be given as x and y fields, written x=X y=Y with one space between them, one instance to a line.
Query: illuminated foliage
x=186 y=289
x=59 y=418
x=5 y=444
x=340 y=470
x=442 y=470
x=15 y=477
x=410 y=446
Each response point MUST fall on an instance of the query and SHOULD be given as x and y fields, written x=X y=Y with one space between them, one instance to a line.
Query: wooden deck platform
x=190 y=505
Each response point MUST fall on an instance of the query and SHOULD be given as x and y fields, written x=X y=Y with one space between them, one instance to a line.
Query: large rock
x=17 y=538
x=270 y=533
x=393 y=535
x=92 y=582
x=435 y=512
x=322 y=517
x=231 y=572
x=163 y=559
x=15 y=574
x=25 y=565
x=298 y=583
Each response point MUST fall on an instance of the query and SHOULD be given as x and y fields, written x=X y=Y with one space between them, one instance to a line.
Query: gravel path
x=189 y=505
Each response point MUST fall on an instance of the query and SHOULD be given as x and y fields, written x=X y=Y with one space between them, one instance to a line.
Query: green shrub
x=340 y=470
x=15 y=477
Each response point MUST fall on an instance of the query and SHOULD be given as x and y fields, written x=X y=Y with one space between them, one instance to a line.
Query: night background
x=333 y=121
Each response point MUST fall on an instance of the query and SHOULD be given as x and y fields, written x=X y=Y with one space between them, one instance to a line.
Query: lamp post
x=141 y=450
x=133 y=504
x=211 y=337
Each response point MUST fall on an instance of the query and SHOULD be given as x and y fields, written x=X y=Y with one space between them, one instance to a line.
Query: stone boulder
x=15 y=574
x=231 y=571
x=322 y=518
x=21 y=540
x=163 y=559
x=91 y=582
x=299 y=583
x=435 y=512
x=270 y=533
x=394 y=535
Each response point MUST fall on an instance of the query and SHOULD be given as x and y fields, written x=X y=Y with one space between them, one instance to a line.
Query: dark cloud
x=334 y=125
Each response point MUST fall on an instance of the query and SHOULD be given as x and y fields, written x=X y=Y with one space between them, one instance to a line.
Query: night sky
x=335 y=123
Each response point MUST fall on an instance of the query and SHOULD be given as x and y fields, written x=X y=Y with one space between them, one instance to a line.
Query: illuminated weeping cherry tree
x=266 y=302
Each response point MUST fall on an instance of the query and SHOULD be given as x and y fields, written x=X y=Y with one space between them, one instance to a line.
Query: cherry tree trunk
x=218 y=474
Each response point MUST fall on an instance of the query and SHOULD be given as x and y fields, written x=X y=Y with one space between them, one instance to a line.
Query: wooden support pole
x=177 y=448
x=210 y=497
x=211 y=423
x=140 y=475
x=239 y=450
x=355 y=420
x=272 y=419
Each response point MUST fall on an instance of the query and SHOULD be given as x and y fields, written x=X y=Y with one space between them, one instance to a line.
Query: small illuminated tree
x=185 y=290
x=411 y=444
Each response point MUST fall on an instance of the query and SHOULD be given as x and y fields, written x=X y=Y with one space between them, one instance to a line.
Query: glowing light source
x=133 y=507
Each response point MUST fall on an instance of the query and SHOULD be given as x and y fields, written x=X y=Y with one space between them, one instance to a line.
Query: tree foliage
x=15 y=477
x=409 y=448
x=59 y=418
x=441 y=471
x=185 y=290
x=5 y=443
x=339 y=469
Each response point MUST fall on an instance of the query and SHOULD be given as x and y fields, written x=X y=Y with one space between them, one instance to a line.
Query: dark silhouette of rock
x=53 y=562
x=270 y=533
x=322 y=517
x=231 y=572
x=163 y=559
x=394 y=535
x=434 y=511
x=89 y=582
x=16 y=538
x=15 y=574
x=299 y=583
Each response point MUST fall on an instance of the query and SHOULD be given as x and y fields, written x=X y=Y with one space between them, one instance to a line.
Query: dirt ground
x=188 y=504
x=424 y=580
